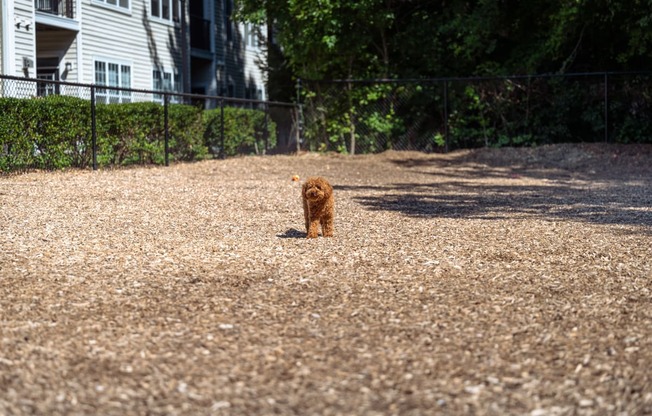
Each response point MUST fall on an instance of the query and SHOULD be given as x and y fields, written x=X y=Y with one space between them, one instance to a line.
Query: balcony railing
x=200 y=33
x=62 y=8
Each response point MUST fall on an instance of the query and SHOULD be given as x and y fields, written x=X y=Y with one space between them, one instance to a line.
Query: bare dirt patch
x=513 y=281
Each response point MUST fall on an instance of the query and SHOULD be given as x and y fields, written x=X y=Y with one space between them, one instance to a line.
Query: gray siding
x=242 y=72
x=130 y=37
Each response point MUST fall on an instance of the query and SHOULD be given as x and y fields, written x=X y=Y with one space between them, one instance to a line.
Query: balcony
x=61 y=8
x=200 y=33
x=58 y=14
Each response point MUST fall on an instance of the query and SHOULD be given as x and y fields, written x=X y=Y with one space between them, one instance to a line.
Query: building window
x=43 y=88
x=123 y=4
x=251 y=35
x=113 y=75
x=168 y=82
x=166 y=9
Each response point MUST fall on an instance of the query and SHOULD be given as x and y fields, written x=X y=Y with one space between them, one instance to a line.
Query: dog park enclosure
x=57 y=124
x=512 y=281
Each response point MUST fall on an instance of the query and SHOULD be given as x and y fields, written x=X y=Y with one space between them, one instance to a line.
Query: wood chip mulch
x=484 y=282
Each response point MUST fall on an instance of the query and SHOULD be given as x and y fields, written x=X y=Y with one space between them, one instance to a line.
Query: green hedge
x=55 y=132
x=47 y=133
x=244 y=131
x=134 y=133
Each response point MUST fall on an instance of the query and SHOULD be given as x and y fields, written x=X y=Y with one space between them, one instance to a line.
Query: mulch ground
x=485 y=282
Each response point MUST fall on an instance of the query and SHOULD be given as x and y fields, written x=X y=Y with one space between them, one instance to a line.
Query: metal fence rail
x=226 y=125
x=352 y=116
x=441 y=114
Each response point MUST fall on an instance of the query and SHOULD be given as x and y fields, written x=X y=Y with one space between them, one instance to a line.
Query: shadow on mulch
x=292 y=233
x=586 y=160
x=606 y=194
x=626 y=205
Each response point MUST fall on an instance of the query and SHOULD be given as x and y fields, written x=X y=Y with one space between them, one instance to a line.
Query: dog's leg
x=327 y=226
x=306 y=215
x=313 y=228
x=312 y=224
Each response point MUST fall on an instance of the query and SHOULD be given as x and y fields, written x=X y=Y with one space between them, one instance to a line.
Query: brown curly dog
x=318 y=206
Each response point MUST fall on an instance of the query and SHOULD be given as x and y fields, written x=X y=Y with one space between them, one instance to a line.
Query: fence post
x=606 y=107
x=299 y=116
x=266 y=127
x=446 y=116
x=166 y=126
x=93 y=128
x=349 y=89
x=222 y=154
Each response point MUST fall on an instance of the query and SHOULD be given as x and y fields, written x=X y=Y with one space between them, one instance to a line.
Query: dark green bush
x=186 y=133
x=131 y=133
x=134 y=133
x=16 y=145
x=244 y=131
x=55 y=132
x=46 y=133
x=507 y=112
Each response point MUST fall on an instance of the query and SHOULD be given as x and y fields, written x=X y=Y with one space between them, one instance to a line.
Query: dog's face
x=317 y=189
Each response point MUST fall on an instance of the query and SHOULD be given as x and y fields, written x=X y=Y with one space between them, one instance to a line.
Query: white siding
x=238 y=54
x=70 y=55
x=25 y=40
x=7 y=56
x=2 y=30
x=24 y=46
x=128 y=36
x=252 y=55
x=62 y=45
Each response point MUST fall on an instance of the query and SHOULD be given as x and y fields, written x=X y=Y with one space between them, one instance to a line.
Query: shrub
x=496 y=112
x=186 y=133
x=131 y=133
x=55 y=132
x=16 y=146
x=49 y=133
x=244 y=131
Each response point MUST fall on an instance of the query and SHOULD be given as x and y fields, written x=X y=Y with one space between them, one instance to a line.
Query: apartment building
x=176 y=45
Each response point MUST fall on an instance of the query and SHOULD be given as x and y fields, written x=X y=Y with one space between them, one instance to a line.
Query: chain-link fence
x=362 y=116
x=54 y=124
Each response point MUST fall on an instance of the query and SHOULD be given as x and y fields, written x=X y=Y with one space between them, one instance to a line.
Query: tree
x=417 y=39
x=409 y=38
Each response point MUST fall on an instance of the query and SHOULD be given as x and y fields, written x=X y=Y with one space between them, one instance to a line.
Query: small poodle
x=318 y=206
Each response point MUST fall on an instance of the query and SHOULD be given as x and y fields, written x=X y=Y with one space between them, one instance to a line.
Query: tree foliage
x=410 y=38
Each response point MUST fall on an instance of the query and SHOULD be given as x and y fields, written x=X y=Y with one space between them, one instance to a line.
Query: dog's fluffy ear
x=304 y=188
x=328 y=189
